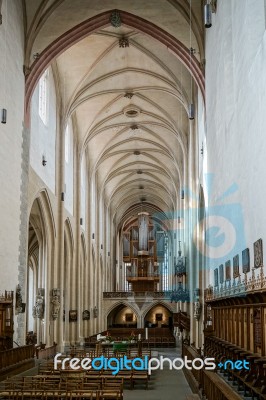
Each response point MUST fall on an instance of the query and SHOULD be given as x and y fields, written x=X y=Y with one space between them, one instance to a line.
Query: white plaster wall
x=69 y=173
x=236 y=106
x=11 y=98
x=201 y=128
x=43 y=136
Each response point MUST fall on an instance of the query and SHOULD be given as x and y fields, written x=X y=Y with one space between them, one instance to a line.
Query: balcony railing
x=6 y=297
x=237 y=287
x=143 y=275
x=156 y=295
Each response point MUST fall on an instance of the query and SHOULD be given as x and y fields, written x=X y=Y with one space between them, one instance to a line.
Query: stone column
x=59 y=275
x=20 y=334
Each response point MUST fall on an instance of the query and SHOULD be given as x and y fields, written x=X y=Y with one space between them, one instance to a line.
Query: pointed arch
x=69 y=234
x=171 y=308
x=122 y=303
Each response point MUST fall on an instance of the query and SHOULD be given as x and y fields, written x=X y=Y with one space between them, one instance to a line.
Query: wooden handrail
x=16 y=355
x=216 y=388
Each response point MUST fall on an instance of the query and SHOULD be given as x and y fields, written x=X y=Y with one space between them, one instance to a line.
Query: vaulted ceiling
x=126 y=91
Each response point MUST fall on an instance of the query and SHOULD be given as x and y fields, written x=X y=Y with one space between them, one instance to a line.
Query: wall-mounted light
x=93 y=236
x=191 y=111
x=3 y=117
x=101 y=247
x=44 y=161
x=62 y=196
x=208 y=15
x=201 y=150
x=182 y=194
x=81 y=221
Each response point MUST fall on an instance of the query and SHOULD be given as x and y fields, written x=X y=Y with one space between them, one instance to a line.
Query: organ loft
x=143 y=252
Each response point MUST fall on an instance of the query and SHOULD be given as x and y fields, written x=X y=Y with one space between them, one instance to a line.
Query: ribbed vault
x=126 y=88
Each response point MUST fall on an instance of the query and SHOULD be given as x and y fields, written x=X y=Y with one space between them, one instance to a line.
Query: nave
x=132 y=204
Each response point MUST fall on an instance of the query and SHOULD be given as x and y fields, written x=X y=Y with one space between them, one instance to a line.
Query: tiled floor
x=164 y=385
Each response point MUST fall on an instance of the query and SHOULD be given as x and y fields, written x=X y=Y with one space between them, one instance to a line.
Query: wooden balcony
x=139 y=295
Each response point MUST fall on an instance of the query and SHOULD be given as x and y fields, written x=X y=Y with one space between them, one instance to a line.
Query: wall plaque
x=228 y=270
x=245 y=261
x=236 y=266
x=73 y=315
x=258 y=254
x=221 y=273
x=86 y=315
x=216 y=283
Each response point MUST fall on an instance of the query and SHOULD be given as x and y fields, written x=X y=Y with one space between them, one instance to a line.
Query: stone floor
x=163 y=385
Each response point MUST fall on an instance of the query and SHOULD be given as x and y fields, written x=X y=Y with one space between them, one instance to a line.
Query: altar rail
x=157 y=337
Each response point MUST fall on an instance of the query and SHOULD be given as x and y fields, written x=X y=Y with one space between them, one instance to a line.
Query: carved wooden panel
x=257 y=328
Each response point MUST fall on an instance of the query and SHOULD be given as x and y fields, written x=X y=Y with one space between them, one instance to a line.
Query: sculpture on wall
x=39 y=306
x=197 y=310
x=197 y=304
x=38 y=309
x=55 y=303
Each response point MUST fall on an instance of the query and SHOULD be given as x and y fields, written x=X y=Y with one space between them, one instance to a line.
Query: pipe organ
x=140 y=254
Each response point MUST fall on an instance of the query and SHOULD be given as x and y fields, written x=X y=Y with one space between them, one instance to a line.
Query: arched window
x=165 y=265
x=43 y=97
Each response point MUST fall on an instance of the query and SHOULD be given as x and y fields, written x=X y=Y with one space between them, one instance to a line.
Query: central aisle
x=163 y=385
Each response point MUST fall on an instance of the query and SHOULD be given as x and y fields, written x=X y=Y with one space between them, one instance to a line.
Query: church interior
x=132 y=143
